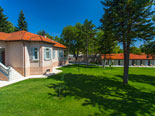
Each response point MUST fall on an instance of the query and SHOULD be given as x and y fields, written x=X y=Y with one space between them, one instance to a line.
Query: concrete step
x=14 y=75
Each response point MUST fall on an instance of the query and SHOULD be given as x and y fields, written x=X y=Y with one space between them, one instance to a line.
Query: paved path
x=6 y=83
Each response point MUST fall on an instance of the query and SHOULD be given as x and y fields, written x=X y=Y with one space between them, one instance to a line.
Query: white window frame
x=47 y=49
x=33 y=50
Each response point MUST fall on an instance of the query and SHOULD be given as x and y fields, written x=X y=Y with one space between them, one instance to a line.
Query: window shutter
x=32 y=53
x=44 y=53
x=50 y=53
x=38 y=52
x=62 y=54
x=58 y=53
x=53 y=54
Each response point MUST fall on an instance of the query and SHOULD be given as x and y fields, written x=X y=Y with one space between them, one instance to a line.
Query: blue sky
x=53 y=15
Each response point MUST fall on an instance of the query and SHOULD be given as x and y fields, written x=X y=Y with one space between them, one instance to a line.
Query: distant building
x=135 y=60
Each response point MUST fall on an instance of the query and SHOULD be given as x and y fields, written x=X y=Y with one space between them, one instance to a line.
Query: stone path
x=6 y=83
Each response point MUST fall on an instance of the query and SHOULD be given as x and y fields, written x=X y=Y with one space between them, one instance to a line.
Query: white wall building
x=135 y=60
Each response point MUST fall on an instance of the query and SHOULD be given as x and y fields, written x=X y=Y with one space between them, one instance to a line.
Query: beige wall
x=14 y=52
x=37 y=67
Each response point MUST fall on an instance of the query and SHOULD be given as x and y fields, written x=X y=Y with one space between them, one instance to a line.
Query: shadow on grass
x=141 y=78
x=82 y=66
x=112 y=97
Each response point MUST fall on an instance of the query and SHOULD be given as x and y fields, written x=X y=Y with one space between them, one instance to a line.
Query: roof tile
x=27 y=36
x=120 y=56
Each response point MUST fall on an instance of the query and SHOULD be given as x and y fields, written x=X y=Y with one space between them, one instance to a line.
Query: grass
x=91 y=91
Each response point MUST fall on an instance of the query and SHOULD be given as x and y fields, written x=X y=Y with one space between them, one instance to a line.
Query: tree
x=128 y=21
x=22 y=24
x=106 y=45
x=149 y=48
x=88 y=33
x=135 y=50
x=5 y=25
x=11 y=27
x=117 y=49
x=58 y=39
x=71 y=37
x=94 y=45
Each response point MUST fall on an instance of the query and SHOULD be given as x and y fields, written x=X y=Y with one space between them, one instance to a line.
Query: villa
x=23 y=54
x=135 y=60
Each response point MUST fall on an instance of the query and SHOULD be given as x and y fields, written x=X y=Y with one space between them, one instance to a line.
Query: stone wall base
x=3 y=77
x=40 y=70
x=36 y=70
x=20 y=70
x=55 y=64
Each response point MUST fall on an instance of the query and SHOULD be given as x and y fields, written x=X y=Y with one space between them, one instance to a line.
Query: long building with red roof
x=28 y=54
x=135 y=59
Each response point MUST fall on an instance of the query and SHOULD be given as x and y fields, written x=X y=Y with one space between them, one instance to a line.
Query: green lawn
x=91 y=91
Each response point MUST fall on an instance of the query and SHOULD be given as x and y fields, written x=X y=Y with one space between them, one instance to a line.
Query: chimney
x=44 y=34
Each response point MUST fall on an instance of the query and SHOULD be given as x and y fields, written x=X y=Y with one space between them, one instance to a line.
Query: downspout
x=24 y=59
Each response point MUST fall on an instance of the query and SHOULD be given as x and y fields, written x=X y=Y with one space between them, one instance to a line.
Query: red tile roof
x=120 y=56
x=58 y=45
x=27 y=36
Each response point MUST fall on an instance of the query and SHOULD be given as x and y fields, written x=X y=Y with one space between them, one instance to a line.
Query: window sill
x=35 y=60
x=47 y=59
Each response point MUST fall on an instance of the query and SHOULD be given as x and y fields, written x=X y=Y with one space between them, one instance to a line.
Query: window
x=141 y=62
x=47 y=53
x=35 y=54
x=53 y=54
x=119 y=62
x=61 y=54
x=133 y=62
x=149 y=62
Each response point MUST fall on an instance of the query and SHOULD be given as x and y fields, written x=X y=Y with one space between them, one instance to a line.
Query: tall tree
x=117 y=49
x=106 y=45
x=128 y=20
x=149 y=48
x=58 y=39
x=22 y=24
x=94 y=45
x=71 y=37
x=88 y=34
x=5 y=25
x=135 y=50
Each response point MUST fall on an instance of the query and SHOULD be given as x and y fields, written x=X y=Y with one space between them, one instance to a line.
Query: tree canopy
x=72 y=39
x=5 y=25
x=135 y=50
x=88 y=34
x=149 y=48
x=128 y=21
x=22 y=24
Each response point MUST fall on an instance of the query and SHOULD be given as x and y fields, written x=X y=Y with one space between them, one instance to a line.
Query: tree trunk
x=126 y=62
x=103 y=64
x=94 y=58
x=87 y=52
x=100 y=59
x=76 y=57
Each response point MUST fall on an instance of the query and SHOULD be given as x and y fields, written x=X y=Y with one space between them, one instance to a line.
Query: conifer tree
x=88 y=33
x=128 y=21
x=5 y=25
x=22 y=24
